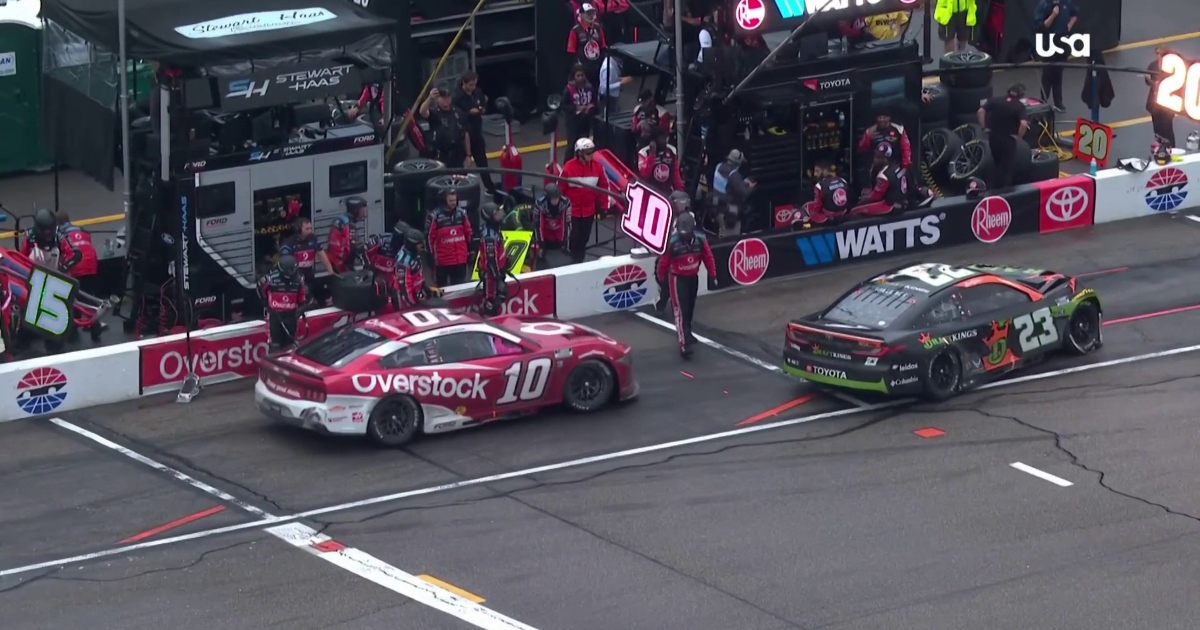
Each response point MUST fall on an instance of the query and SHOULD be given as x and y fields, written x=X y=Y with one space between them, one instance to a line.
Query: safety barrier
x=86 y=378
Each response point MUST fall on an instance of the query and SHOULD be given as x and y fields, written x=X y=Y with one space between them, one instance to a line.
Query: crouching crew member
x=679 y=266
x=831 y=196
x=890 y=191
x=343 y=235
x=283 y=292
x=77 y=254
x=493 y=261
x=551 y=220
x=449 y=232
x=306 y=247
x=658 y=163
x=43 y=235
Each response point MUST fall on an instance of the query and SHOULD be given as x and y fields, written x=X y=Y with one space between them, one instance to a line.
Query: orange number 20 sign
x=1092 y=141
x=1178 y=87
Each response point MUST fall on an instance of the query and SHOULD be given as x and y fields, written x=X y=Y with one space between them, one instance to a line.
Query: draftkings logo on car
x=422 y=385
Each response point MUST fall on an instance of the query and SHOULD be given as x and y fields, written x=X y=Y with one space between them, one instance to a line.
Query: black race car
x=934 y=330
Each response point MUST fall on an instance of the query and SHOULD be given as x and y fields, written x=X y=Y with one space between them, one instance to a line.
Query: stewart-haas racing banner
x=954 y=221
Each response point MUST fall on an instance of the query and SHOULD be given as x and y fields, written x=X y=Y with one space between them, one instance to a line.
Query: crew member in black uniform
x=679 y=267
x=1005 y=120
x=282 y=291
x=493 y=261
x=450 y=143
x=410 y=272
x=1162 y=120
x=471 y=102
x=551 y=220
x=586 y=42
x=579 y=103
x=681 y=204
x=306 y=247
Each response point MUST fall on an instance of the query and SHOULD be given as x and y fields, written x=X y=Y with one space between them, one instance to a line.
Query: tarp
x=240 y=33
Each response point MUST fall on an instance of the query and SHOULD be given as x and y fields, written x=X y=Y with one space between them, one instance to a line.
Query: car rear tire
x=589 y=386
x=943 y=376
x=1083 y=329
x=395 y=421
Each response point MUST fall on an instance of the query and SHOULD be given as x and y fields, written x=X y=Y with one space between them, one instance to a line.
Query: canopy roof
x=205 y=33
x=21 y=12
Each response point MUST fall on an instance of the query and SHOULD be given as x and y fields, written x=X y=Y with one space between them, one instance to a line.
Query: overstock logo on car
x=422 y=385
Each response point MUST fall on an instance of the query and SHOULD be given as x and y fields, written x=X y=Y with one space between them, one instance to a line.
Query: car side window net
x=340 y=346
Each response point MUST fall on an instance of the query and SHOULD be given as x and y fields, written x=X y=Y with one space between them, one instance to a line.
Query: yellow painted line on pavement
x=1114 y=125
x=533 y=148
x=452 y=588
x=1154 y=42
x=110 y=218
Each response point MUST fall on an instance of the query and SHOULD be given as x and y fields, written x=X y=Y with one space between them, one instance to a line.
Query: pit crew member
x=343 y=235
x=658 y=164
x=448 y=230
x=306 y=247
x=493 y=261
x=78 y=255
x=679 y=267
x=585 y=202
x=551 y=220
x=886 y=131
x=831 y=196
x=283 y=292
x=890 y=190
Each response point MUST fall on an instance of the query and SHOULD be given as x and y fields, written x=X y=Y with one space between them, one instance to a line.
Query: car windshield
x=872 y=306
x=340 y=346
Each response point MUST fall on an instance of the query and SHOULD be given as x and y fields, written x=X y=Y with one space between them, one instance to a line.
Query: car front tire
x=395 y=421
x=589 y=387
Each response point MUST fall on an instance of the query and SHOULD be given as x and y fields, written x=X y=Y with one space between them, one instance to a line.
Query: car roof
x=405 y=324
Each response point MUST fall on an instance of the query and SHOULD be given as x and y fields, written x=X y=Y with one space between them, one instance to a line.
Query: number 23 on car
x=431 y=371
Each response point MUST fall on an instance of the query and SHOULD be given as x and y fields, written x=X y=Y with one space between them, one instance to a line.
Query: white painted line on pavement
x=353 y=560
x=391 y=498
x=1192 y=217
x=375 y=570
x=1041 y=474
x=738 y=354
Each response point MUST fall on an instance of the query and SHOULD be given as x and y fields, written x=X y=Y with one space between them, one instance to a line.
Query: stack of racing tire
x=954 y=148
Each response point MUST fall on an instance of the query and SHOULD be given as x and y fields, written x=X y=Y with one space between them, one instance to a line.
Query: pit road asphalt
x=844 y=522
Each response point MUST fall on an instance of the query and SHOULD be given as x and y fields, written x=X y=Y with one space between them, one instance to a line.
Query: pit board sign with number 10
x=48 y=311
x=648 y=218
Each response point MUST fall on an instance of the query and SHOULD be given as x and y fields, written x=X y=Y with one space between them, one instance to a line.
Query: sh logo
x=246 y=88
x=1049 y=45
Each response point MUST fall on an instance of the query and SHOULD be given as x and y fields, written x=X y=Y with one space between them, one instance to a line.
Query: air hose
x=927 y=177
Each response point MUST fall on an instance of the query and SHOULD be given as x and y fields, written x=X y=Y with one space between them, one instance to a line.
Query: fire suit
x=342 y=239
x=679 y=268
x=381 y=255
x=283 y=296
x=493 y=268
x=889 y=194
x=305 y=250
x=894 y=135
x=587 y=43
x=660 y=168
x=551 y=222
x=449 y=239
x=59 y=241
x=585 y=202
x=8 y=320
x=831 y=200
x=657 y=117
x=81 y=261
x=410 y=278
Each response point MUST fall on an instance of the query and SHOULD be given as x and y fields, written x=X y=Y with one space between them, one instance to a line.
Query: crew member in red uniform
x=658 y=164
x=283 y=292
x=679 y=267
x=306 y=247
x=8 y=328
x=44 y=236
x=78 y=255
x=831 y=196
x=586 y=42
x=493 y=261
x=648 y=110
x=886 y=131
x=343 y=235
x=448 y=231
x=551 y=218
x=585 y=202
x=890 y=190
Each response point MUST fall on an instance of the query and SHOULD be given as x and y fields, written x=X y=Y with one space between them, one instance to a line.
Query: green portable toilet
x=20 y=87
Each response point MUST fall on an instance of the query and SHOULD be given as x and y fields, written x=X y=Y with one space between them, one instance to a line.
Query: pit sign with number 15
x=1092 y=141
x=48 y=311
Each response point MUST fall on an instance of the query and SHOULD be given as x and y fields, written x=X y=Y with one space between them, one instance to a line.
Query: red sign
x=1066 y=203
x=750 y=14
x=1092 y=141
x=991 y=219
x=531 y=296
x=748 y=261
x=1178 y=88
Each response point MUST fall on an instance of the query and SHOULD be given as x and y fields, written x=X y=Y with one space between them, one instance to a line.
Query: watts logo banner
x=516 y=247
x=786 y=14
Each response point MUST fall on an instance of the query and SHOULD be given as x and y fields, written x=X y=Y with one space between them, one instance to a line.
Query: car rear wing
x=809 y=333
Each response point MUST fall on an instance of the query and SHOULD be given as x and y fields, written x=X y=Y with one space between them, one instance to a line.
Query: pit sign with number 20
x=1092 y=141
x=648 y=218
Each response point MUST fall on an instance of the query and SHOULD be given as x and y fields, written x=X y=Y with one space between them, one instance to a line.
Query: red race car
x=436 y=370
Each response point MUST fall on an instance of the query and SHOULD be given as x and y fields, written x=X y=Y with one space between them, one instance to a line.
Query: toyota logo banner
x=1066 y=203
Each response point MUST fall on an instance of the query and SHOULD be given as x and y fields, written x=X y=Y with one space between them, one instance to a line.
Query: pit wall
x=77 y=380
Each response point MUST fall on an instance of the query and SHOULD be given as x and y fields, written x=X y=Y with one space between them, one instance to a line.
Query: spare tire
x=968 y=100
x=1043 y=166
x=408 y=188
x=938 y=147
x=468 y=187
x=966 y=69
x=938 y=107
x=974 y=159
x=355 y=292
x=1022 y=163
x=969 y=132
